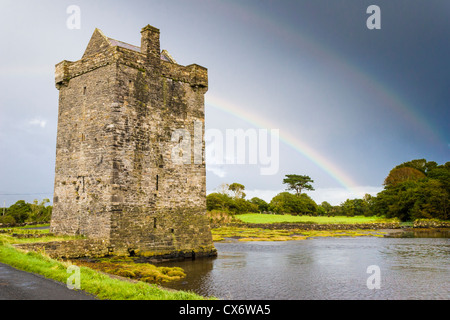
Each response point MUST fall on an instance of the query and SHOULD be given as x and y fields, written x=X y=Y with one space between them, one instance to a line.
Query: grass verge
x=94 y=282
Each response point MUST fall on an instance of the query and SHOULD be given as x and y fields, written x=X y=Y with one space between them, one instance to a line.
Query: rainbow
x=386 y=96
x=392 y=101
x=288 y=139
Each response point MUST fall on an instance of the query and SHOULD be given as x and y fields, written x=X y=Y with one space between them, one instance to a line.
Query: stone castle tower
x=118 y=177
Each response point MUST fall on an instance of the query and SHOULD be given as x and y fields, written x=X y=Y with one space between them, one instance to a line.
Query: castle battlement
x=99 y=54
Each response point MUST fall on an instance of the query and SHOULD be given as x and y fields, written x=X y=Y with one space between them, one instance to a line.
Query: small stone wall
x=70 y=249
x=93 y=248
x=313 y=226
x=10 y=225
x=431 y=223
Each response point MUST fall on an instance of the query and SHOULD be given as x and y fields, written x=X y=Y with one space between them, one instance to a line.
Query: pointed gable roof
x=167 y=57
x=99 y=42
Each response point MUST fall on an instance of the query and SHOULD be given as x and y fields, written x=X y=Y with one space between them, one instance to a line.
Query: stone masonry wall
x=70 y=249
x=83 y=157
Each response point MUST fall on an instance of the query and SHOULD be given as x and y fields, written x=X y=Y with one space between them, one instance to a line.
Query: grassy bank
x=245 y=233
x=277 y=218
x=94 y=282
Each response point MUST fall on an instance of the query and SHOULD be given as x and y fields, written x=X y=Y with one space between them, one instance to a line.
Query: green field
x=276 y=218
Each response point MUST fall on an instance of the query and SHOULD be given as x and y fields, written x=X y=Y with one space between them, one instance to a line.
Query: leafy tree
x=403 y=201
x=224 y=188
x=20 y=211
x=430 y=201
x=355 y=207
x=348 y=208
x=7 y=219
x=419 y=164
x=298 y=183
x=263 y=206
x=39 y=211
x=286 y=202
x=234 y=205
x=321 y=211
x=218 y=201
x=238 y=190
x=337 y=211
x=240 y=205
x=326 y=207
x=402 y=174
x=415 y=189
x=311 y=206
x=441 y=174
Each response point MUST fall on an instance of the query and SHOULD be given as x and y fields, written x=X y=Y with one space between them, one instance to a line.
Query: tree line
x=231 y=198
x=417 y=189
x=21 y=211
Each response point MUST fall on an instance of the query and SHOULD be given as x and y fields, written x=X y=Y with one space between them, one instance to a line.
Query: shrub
x=286 y=202
x=218 y=201
x=7 y=220
x=263 y=206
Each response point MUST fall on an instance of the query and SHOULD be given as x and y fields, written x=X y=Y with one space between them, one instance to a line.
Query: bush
x=242 y=206
x=7 y=220
x=218 y=201
x=286 y=202
x=223 y=202
x=20 y=211
x=263 y=206
x=39 y=212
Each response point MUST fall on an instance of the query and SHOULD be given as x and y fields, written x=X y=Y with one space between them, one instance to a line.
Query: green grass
x=276 y=218
x=96 y=283
x=36 y=226
x=44 y=236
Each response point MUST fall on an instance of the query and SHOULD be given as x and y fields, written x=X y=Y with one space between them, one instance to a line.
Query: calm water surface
x=322 y=268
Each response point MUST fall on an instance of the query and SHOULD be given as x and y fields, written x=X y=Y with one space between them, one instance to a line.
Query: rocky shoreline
x=315 y=226
x=418 y=224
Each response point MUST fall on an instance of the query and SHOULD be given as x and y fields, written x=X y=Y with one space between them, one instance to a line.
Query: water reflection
x=419 y=233
x=322 y=268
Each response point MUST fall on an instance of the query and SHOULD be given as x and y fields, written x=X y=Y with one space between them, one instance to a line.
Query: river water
x=323 y=268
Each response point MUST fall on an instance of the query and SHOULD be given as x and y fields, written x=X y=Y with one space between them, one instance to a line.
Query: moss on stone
x=137 y=271
x=259 y=234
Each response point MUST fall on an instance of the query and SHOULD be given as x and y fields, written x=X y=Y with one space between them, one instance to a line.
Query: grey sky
x=365 y=100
